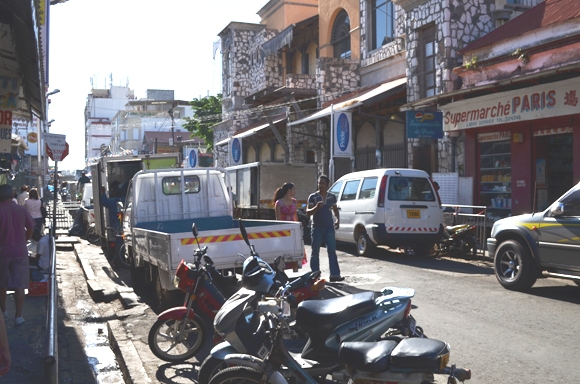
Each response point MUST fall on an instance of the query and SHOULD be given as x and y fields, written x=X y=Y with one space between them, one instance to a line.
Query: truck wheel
x=164 y=299
x=139 y=275
x=364 y=245
x=514 y=266
x=172 y=340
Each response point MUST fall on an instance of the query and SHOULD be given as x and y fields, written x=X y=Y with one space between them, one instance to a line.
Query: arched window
x=341 y=35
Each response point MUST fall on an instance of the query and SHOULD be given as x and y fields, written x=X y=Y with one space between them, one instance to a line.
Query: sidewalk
x=76 y=316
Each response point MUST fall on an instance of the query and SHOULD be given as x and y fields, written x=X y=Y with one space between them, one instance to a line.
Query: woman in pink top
x=286 y=207
x=285 y=203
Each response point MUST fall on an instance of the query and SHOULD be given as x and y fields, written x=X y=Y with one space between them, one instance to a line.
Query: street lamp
x=40 y=171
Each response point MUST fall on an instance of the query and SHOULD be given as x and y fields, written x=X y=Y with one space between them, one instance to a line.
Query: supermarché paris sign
x=537 y=102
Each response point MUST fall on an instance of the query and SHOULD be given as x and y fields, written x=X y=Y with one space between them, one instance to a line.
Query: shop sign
x=552 y=131
x=493 y=136
x=537 y=102
x=9 y=91
x=422 y=124
x=342 y=134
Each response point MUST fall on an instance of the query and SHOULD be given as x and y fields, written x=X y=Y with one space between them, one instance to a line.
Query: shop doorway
x=553 y=167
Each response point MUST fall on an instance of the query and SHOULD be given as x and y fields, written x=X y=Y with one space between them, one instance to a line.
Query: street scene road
x=502 y=336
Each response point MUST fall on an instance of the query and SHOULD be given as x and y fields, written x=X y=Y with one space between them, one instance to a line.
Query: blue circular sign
x=192 y=158
x=342 y=132
x=236 y=150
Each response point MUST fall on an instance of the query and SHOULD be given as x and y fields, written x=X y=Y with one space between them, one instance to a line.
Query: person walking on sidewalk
x=321 y=206
x=16 y=227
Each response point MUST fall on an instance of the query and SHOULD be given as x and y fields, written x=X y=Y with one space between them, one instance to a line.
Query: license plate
x=413 y=214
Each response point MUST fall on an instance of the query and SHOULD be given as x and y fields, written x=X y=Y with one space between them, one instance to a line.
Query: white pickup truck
x=159 y=211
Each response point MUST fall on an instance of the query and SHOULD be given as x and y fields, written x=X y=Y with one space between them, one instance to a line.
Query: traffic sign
x=56 y=146
x=57 y=154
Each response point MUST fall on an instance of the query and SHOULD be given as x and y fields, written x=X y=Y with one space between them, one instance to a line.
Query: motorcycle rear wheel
x=235 y=375
x=167 y=344
x=92 y=236
x=123 y=257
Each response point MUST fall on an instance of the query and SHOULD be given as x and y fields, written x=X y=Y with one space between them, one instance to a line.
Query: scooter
x=318 y=329
x=458 y=241
x=403 y=361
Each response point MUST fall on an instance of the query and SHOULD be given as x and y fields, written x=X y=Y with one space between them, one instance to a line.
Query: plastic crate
x=38 y=289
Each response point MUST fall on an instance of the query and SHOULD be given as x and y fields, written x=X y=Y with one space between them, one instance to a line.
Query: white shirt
x=22 y=198
x=43 y=250
x=33 y=207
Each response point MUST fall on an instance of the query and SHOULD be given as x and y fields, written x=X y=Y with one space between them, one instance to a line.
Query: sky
x=147 y=44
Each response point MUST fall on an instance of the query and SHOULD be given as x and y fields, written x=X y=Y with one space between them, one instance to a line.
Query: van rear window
x=410 y=189
x=172 y=185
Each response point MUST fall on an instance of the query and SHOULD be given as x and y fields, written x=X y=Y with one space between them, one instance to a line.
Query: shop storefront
x=526 y=145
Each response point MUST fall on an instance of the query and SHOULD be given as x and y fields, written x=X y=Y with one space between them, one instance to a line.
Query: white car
x=388 y=206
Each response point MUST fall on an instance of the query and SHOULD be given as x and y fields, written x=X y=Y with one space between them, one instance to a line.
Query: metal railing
x=51 y=344
x=468 y=214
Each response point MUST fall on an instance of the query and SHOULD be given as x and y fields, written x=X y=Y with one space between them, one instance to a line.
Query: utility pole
x=172 y=129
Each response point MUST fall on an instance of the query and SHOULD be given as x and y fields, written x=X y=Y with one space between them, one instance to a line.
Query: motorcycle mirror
x=244 y=233
x=194 y=229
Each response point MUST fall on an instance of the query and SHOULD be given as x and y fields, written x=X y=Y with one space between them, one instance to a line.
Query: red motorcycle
x=179 y=333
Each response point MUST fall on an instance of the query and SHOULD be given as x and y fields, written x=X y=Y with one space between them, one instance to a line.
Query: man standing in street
x=82 y=181
x=16 y=227
x=320 y=204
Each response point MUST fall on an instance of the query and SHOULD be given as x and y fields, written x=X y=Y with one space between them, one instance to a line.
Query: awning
x=249 y=131
x=354 y=101
x=280 y=40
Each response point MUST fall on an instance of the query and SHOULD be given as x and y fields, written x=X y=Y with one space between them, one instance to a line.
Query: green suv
x=531 y=246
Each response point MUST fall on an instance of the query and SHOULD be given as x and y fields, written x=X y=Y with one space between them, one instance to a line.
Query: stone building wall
x=264 y=71
x=335 y=77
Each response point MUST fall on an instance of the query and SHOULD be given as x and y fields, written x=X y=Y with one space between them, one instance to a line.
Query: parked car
x=388 y=206
x=530 y=246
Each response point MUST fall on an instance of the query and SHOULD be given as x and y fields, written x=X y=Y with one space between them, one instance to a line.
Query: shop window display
x=495 y=179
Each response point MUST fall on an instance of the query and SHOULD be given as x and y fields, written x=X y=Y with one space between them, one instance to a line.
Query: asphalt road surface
x=502 y=336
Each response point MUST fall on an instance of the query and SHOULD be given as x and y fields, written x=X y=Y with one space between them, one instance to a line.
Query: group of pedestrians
x=325 y=220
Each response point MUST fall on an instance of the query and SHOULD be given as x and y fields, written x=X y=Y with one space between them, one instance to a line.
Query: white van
x=393 y=207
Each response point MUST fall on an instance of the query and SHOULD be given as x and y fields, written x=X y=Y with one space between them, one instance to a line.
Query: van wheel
x=364 y=245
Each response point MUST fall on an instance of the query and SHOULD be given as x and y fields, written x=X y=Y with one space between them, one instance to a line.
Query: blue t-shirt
x=323 y=218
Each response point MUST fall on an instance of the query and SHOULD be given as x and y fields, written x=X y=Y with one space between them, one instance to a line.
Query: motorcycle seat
x=368 y=356
x=419 y=354
x=325 y=315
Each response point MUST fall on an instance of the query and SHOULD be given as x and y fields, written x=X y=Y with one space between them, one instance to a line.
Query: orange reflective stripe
x=226 y=238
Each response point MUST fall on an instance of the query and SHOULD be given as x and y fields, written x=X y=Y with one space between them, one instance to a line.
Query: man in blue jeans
x=319 y=207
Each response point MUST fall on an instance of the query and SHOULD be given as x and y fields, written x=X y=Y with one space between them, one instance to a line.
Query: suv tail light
x=382 y=191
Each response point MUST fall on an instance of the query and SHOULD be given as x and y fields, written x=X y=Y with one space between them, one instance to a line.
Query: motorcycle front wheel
x=236 y=375
x=168 y=343
x=209 y=368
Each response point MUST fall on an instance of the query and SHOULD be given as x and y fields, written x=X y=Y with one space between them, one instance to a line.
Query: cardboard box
x=38 y=289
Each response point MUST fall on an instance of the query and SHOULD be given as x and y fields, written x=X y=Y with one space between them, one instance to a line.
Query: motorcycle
x=179 y=333
x=318 y=329
x=457 y=241
x=406 y=360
